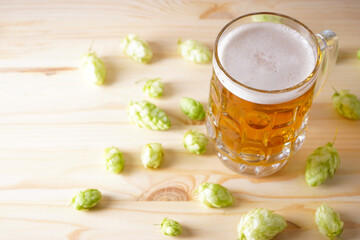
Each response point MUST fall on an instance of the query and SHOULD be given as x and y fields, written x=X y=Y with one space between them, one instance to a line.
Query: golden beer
x=255 y=124
x=256 y=134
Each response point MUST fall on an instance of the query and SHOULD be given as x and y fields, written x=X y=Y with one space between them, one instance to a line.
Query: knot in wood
x=169 y=194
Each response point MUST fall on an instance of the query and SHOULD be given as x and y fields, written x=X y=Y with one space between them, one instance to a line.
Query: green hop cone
x=194 y=51
x=135 y=48
x=170 y=227
x=260 y=224
x=358 y=54
x=346 y=104
x=146 y=115
x=195 y=142
x=192 y=108
x=214 y=195
x=86 y=199
x=265 y=18
x=321 y=164
x=328 y=221
x=154 y=88
x=114 y=160
x=152 y=155
x=93 y=68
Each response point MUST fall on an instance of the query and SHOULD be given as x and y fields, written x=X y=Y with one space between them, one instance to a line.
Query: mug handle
x=328 y=43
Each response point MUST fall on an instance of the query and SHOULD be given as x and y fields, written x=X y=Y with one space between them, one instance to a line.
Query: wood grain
x=54 y=125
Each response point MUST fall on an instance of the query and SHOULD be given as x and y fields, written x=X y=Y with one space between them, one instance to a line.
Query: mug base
x=250 y=170
x=256 y=165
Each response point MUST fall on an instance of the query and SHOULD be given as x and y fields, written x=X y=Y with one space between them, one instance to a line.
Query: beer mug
x=266 y=69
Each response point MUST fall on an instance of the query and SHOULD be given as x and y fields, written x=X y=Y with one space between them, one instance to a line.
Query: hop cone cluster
x=321 y=164
x=146 y=115
x=194 y=51
x=260 y=224
x=214 y=195
x=328 y=221
x=86 y=199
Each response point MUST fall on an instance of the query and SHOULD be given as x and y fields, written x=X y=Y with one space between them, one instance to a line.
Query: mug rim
x=297 y=86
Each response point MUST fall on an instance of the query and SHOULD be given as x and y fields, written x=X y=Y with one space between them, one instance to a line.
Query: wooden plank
x=54 y=125
x=113 y=219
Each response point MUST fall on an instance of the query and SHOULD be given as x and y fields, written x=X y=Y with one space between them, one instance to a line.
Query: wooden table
x=54 y=126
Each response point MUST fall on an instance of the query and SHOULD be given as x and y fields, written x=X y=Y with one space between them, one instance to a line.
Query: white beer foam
x=265 y=56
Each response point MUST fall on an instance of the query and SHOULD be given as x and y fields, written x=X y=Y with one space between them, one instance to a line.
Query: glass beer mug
x=261 y=94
